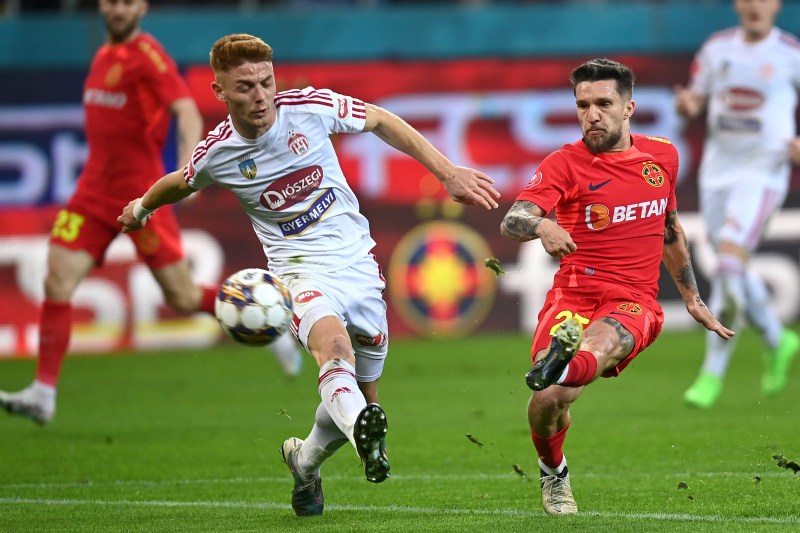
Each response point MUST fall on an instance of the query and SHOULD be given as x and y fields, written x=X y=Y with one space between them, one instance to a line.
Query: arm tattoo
x=670 y=235
x=676 y=248
x=686 y=278
x=626 y=340
x=522 y=220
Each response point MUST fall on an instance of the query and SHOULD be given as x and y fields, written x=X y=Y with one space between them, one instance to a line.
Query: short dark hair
x=604 y=69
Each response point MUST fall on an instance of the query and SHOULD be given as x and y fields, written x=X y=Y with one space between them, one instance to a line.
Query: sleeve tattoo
x=676 y=248
x=521 y=221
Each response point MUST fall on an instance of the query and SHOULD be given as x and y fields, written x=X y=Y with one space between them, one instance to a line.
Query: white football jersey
x=752 y=94
x=289 y=181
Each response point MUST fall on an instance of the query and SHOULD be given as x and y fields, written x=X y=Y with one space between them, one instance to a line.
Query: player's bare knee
x=182 y=302
x=58 y=287
x=552 y=400
x=337 y=346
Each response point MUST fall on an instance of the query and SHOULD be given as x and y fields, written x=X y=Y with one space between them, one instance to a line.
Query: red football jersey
x=126 y=99
x=613 y=205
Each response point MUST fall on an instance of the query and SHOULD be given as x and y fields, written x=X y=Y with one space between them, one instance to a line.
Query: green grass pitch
x=188 y=441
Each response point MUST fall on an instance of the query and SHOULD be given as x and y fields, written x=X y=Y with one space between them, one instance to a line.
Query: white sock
x=340 y=395
x=760 y=310
x=727 y=302
x=323 y=441
x=550 y=471
x=287 y=352
x=43 y=389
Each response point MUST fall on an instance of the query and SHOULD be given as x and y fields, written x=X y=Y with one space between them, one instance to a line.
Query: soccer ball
x=254 y=307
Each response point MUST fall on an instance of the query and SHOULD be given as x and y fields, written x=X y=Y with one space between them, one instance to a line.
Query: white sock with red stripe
x=340 y=395
x=325 y=438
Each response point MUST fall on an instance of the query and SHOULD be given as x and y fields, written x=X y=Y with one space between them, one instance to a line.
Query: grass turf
x=188 y=441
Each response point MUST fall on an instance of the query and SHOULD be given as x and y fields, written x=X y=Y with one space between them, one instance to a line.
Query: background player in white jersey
x=747 y=77
x=274 y=152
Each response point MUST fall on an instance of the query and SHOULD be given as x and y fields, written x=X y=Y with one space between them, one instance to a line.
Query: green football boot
x=777 y=362
x=704 y=391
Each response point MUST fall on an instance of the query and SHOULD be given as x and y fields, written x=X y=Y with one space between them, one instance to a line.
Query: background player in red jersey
x=616 y=220
x=131 y=90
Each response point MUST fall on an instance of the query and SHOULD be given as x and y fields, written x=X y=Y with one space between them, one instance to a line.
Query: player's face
x=249 y=92
x=122 y=18
x=604 y=116
x=757 y=17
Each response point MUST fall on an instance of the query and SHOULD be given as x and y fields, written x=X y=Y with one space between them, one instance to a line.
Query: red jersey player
x=132 y=89
x=616 y=220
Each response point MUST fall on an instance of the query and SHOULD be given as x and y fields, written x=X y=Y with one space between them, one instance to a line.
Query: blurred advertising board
x=502 y=116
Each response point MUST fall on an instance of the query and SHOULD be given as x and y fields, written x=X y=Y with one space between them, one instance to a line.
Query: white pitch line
x=407 y=510
x=395 y=479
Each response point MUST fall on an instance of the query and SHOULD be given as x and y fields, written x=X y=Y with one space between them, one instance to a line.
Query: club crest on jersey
x=652 y=174
x=113 y=75
x=298 y=143
x=247 y=166
x=630 y=307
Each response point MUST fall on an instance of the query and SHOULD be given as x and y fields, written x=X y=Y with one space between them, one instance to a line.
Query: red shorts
x=640 y=315
x=91 y=226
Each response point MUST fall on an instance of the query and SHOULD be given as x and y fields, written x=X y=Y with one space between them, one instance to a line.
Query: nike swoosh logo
x=626 y=315
x=593 y=187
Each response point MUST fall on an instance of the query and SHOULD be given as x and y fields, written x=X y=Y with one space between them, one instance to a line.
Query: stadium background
x=486 y=82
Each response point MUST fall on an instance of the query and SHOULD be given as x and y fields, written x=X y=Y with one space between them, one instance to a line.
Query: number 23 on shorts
x=67 y=226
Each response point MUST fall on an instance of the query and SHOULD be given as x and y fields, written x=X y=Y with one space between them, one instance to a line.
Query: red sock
x=55 y=329
x=550 y=449
x=582 y=369
x=208 y=299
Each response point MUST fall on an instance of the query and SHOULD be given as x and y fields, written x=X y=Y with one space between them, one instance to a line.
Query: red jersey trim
x=297 y=97
x=789 y=39
x=359 y=109
x=210 y=141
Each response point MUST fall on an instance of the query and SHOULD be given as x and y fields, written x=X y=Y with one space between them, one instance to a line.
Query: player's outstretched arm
x=167 y=190
x=464 y=185
x=677 y=260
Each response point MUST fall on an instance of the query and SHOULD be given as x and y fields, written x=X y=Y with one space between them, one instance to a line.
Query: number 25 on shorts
x=566 y=315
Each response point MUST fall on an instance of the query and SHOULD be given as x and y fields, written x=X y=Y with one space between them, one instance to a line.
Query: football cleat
x=370 y=437
x=777 y=362
x=557 y=495
x=307 y=499
x=32 y=402
x=705 y=391
x=563 y=348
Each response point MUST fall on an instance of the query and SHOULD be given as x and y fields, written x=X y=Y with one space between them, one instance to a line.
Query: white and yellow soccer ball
x=253 y=307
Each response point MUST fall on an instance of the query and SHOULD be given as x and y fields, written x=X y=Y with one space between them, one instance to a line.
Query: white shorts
x=740 y=213
x=354 y=295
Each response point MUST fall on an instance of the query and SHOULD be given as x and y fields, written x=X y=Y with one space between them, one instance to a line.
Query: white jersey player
x=747 y=78
x=289 y=181
x=274 y=153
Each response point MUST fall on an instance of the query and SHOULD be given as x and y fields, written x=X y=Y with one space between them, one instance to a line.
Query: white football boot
x=37 y=402
x=557 y=495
